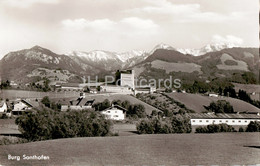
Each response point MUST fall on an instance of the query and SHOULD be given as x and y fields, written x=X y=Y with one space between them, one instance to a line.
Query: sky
x=123 y=25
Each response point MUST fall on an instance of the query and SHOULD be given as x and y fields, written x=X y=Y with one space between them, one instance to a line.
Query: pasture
x=240 y=65
x=168 y=150
x=176 y=67
x=14 y=94
x=197 y=102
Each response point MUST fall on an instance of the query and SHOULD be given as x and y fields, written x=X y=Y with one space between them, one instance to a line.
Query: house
x=79 y=104
x=24 y=106
x=213 y=95
x=115 y=112
x=3 y=107
x=203 y=119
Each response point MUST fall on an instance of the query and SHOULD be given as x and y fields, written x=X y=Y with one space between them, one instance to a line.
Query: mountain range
x=37 y=63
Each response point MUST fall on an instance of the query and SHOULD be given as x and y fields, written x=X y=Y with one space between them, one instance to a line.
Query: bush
x=12 y=140
x=176 y=124
x=221 y=106
x=44 y=125
x=253 y=126
x=215 y=128
x=241 y=129
x=46 y=101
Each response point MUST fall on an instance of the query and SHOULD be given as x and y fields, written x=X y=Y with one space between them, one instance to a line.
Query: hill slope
x=228 y=63
x=197 y=102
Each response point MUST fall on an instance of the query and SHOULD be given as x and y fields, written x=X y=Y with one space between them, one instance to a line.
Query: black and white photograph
x=129 y=83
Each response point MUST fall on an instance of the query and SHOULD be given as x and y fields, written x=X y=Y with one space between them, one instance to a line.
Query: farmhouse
x=202 y=119
x=24 y=106
x=80 y=104
x=3 y=107
x=115 y=112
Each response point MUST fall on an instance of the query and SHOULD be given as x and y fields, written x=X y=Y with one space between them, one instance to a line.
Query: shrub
x=12 y=140
x=241 y=129
x=176 y=124
x=46 y=101
x=221 y=106
x=253 y=126
x=44 y=125
x=215 y=128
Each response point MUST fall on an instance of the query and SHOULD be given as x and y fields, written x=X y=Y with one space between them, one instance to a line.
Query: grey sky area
x=124 y=25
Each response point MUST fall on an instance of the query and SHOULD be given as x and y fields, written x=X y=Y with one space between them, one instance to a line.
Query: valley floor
x=168 y=150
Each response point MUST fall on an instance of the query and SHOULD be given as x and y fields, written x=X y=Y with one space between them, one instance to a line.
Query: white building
x=115 y=112
x=116 y=89
x=213 y=95
x=127 y=78
x=145 y=89
x=204 y=119
x=3 y=107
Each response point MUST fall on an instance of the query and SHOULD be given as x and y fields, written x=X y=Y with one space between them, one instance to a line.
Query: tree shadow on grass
x=257 y=147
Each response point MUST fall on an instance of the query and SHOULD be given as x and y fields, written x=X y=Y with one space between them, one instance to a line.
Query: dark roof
x=126 y=72
x=81 y=102
x=30 y=103
x=222 y=116
x=116 y=106
x=70 y=85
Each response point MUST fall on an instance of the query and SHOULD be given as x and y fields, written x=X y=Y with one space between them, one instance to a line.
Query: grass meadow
x=197 y=102
x=170 y=149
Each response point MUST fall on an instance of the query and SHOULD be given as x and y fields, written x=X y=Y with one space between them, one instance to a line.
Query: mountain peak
x=162 y=46
x=36 y=47
x=212 y=47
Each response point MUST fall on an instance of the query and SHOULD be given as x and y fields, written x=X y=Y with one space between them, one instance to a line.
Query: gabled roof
x=2 y=103
x=30 y=103
x=116 y=106
x=79 y=102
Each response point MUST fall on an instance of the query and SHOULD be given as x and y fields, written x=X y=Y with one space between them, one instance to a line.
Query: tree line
x=49 y=124
x=253 y=126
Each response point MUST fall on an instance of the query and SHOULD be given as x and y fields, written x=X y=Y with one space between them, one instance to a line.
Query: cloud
x=133 y=24
x=165 y=7
x=186 y=13
x=27 y=3
x=139 y=23
x=81 y=23
x=228 y=39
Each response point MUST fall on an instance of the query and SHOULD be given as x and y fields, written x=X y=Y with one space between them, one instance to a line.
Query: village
x=84 y=95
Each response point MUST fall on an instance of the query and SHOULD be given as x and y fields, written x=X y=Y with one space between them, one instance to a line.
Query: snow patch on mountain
x=34 y=55
x=162 y=46
x=213 y=47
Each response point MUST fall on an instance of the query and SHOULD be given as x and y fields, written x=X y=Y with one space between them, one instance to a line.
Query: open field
x=14 y=94
x=240 y=65
x=176 y=67
x=8 y=126
x=168 y=150
x=197 y=102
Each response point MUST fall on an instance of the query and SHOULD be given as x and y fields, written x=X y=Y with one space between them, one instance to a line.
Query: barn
x=203 y=119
